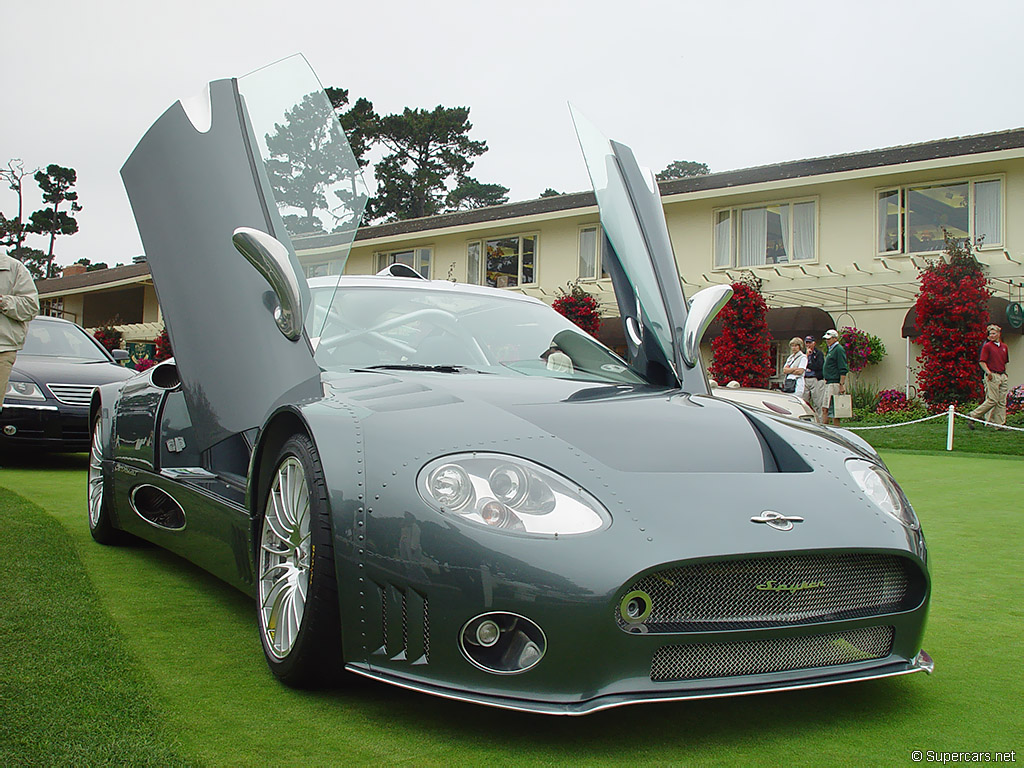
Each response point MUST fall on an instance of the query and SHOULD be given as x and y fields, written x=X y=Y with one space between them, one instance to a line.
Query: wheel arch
x=279 y=427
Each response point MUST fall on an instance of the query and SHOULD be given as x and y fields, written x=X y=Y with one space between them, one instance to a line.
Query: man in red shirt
x=993 y=360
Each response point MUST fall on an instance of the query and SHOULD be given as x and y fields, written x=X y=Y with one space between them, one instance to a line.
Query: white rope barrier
x=938 y=416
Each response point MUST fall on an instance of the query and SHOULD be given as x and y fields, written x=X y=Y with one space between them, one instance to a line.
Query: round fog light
x=635 y=607
x=502 y=643
x=10 y=429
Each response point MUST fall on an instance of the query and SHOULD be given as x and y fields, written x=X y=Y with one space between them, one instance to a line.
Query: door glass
x=313 y=177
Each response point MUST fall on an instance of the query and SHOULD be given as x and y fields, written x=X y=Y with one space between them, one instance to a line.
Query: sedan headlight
x=509 y=493
x=883 y=491
x=23 y=390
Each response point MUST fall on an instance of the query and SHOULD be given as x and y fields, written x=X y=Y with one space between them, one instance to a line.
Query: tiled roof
x=58 y=285
x=874 y=158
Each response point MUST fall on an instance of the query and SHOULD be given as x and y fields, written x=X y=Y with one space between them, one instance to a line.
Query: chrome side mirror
x=270 y=258
x=704 y=306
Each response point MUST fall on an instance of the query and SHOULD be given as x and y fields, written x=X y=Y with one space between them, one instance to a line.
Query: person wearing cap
x=834 y=372
x=993 y=361
x=814 y=382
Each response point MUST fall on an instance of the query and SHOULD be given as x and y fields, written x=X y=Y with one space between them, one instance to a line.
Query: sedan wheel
x=298 y=600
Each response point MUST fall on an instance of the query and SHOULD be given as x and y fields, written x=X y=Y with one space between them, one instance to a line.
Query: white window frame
x=735 y=233
x=422 y=256
x=322 y=268
x=481 y=244
x=904 y=190
x=600 y=273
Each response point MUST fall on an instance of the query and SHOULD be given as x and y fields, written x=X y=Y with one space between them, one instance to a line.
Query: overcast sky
x=731 y=84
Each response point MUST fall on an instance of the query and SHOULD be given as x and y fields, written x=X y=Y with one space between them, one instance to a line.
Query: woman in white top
x=794 y=368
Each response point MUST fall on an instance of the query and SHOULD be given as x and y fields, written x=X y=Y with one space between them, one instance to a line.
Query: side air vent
x=404 y=624
x=157 y=507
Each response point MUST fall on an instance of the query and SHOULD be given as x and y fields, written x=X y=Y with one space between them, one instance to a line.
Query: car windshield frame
x=444 y=329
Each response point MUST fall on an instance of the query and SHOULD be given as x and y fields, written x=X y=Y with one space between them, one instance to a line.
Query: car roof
x=391 y=281
x=48 y=319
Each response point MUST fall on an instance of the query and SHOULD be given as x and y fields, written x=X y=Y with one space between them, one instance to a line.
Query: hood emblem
x=775 y=520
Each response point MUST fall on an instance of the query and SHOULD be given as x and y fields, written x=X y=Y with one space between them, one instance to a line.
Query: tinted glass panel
x=932 y=209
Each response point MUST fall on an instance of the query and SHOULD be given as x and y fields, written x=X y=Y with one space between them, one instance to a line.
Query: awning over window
x=996 y=314
x=786 y=322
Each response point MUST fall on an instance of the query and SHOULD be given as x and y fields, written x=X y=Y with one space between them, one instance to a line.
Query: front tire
x=297 y=608
x=98 y=494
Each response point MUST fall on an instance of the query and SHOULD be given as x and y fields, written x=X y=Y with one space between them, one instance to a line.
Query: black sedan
x=46 y=405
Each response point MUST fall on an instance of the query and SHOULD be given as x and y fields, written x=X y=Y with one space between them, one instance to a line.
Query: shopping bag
x=843 y=406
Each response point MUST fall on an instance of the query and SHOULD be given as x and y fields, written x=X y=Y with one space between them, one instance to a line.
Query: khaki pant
x=814 y=393
x=996 y=388
x=6 y=363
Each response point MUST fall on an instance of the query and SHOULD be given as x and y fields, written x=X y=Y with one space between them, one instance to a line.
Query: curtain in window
x=722 y=245
x=588 y=254
x=473 y=267
x=753 y=236
x=988 y=211
x=803 y=232
x=784 y=229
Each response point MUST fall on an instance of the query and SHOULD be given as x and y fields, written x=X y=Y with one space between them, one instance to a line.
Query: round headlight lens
x=450 y=487
x=510 y=494
x=880 y=488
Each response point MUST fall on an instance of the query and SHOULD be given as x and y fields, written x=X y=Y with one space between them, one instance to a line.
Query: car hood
x=68 y=370
x=627 y=428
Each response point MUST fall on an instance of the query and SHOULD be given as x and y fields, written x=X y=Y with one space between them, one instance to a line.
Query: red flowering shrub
x=952 y=310
x=579 y=306
x=108 y=336
x=862 y=348
x=144 y=364
x=1015 y=400
x=742 y=351
x=163 y=347
x=890 y=400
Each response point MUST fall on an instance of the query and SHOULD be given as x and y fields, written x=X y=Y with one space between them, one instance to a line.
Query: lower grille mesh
x=757 y=657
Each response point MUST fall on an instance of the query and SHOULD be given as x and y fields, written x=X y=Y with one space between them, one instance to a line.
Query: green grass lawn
x=931 y=436
x=131 y=655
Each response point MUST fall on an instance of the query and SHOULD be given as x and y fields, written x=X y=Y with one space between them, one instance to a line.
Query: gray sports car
x=452 y=488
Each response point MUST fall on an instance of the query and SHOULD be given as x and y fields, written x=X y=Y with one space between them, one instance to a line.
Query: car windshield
x=452 y=330
x=61 y=340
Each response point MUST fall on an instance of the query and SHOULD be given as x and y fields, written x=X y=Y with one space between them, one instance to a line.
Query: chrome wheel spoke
x=95 y=484
x=285 y=548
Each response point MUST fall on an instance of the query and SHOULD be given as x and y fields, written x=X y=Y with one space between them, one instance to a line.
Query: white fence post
x=949 y=429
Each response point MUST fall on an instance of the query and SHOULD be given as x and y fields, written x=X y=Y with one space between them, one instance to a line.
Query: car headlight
x=510 y=494
x=883 y=491
x=23 y=390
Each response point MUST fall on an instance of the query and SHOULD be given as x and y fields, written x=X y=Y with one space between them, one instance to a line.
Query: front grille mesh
x=748 y=594
x=72 y=394
x=759 y=657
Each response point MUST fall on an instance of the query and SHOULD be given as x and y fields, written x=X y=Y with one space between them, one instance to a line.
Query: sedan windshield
x=452 y=331
x=50 y=339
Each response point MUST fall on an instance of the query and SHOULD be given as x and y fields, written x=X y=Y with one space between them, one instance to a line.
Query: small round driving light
x=451 y=487
x=487 y=633
x=498 y=515
x=10 y=429
x=509 y=484
x=502 y=643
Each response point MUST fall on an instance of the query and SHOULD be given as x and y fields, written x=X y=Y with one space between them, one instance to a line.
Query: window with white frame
x=502 y=262
x=911 y=218
x=323 y=268
x=591 y=253
x=416 y=258
x=759 y=235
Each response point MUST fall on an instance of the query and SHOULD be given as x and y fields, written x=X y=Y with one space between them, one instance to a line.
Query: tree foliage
x=549 y=192
x=474 y=194
x=952 y=310
x=430 y=156
x=742 y=351
x=682 y=169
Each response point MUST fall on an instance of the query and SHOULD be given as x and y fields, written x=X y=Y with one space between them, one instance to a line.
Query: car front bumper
x=46 y=426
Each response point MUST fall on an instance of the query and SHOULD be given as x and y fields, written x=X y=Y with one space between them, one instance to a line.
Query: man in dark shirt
x=993 y=360
x=814 y=382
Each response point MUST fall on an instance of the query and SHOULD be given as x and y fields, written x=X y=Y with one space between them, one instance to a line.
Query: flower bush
x=163 y=347
x=144 y=364
x=579 y=306
x=952 y=310
x=108 y=336
x=1015 y=400
x=742 y=351
x=862 y=348
x=890 y=400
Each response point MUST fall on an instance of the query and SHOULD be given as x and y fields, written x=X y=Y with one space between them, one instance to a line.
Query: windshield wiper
x=417 y=367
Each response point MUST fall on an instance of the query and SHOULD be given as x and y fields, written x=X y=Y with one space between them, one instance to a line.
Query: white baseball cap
x=831 y=334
